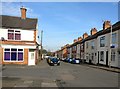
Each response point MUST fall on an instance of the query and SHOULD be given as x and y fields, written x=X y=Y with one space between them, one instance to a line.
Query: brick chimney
x=93 y=31
x=79 y=38
x=23 y=12
x=85 y=35
x=106 y=25
x=66 y=45
x=75 y=40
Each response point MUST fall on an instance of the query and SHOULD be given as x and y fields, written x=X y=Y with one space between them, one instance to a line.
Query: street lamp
x=110 y=45
x=41 y=44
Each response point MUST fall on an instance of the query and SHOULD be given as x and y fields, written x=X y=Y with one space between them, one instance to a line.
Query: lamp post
x=1 y=65
x=41 y=44
x=0 y=51
x=110 y=45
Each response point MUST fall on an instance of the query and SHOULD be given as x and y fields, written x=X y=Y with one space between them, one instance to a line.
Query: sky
x=62 y=22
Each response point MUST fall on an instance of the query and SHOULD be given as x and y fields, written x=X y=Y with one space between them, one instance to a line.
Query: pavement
x=117 y=70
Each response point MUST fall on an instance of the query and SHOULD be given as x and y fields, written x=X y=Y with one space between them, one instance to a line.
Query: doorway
x=106 y=58
x=31 y=60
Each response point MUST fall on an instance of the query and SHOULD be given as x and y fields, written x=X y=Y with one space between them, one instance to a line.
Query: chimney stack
x=106 y=25
x=79 y=38
x=85 y=35
x=23 y=12
x=93 y=31
x=75 y=40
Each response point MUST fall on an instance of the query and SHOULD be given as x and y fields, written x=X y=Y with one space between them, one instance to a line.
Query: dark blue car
x=53 y=61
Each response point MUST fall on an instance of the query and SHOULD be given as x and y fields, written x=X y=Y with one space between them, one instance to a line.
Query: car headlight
x=51 y=62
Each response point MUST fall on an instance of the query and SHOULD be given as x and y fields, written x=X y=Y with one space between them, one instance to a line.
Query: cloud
x=13 y=9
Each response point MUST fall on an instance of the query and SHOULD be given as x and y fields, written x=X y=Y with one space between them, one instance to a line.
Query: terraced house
x=82 y=46
x=102 y=47
x=78 y=48
x=19 y=39
x=74 y=48
x=90 y=49
x=69 y=51
x=109 y=45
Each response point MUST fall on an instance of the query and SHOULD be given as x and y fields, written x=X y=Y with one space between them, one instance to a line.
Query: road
x=65 y=75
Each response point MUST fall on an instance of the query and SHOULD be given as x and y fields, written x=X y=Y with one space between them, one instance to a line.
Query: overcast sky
x=63 y=22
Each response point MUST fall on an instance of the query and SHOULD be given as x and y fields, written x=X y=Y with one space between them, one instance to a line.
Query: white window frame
x=115 y=38
x=14 y=34
x=101 y=38
x=10 y=55
x=92 y=44
x=113 y=54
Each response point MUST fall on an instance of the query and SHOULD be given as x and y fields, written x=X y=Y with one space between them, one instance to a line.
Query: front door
x=31 y=60
x=106 y=58
x=98 y=58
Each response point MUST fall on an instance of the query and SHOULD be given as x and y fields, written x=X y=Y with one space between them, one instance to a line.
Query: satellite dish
x=2 y=38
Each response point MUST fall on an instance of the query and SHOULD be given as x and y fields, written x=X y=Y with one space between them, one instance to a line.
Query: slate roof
x=115 y=27
x=17 y=22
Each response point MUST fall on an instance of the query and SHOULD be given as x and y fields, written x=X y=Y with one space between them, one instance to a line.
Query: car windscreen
x=54 y=59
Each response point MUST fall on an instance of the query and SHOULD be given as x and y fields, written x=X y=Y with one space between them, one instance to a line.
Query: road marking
x=22 y=85
x=28 y=82
x=48 y=85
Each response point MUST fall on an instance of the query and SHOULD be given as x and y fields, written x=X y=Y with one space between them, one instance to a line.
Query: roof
x=115 y=27
x=17 y=22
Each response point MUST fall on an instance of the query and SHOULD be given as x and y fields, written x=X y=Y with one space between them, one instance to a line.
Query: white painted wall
x=3 y=33
x=18 y=46
x=26 y=35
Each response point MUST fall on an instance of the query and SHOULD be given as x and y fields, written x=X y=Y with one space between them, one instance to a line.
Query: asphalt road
x=65 y=75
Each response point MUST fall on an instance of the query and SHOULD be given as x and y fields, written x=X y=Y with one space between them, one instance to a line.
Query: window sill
x=13 y=61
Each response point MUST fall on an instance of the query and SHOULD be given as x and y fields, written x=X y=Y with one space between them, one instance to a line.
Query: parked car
x=70 y=60
x=63 y=59
x=66 y=59
x=46 y=57
x=76 y=61
x=53 y=61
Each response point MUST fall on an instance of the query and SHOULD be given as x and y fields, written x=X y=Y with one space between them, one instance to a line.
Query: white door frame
x=31 y=58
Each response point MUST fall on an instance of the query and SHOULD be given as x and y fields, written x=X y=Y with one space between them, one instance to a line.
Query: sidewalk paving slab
x=117 y=70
